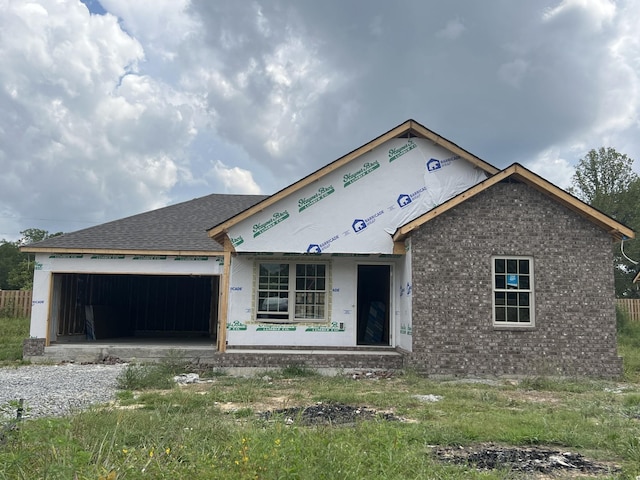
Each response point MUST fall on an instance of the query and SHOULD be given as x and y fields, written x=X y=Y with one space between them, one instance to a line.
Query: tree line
x=603 y=178
x=16 y=267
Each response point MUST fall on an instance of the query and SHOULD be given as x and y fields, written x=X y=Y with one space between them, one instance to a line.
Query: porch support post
x=224 y=296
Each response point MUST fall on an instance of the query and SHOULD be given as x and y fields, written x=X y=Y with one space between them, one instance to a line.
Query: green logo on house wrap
x=191 y=259
x=395 y=153
x=367 y=168
x=324 y=328
x=323 y=192
x=107 y=257
x=278 y=217
x=237 y=240
x=276 y=328
x=236 y=325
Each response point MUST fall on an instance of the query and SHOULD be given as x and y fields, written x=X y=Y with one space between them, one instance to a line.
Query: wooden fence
x=632 y=306
x=15 y=303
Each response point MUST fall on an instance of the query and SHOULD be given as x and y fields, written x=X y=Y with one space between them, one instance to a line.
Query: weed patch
x=14 y=331
x=146 y=377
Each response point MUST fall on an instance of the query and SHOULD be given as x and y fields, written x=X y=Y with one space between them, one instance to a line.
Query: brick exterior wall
x=575 y=327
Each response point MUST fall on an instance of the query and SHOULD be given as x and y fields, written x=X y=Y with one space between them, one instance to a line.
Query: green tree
x=32 y=235
x=10 y=256
x=605 y=179
x=16 y=267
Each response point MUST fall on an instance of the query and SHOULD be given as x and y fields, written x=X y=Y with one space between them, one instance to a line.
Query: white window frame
x=508 y=291
x=295 y=297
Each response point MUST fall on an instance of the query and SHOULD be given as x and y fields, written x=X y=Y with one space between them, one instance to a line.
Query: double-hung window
x=513 y=299
x=292 y=292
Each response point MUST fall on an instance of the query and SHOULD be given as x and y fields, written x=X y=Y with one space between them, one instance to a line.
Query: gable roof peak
x=409 y=128
x=516 y=171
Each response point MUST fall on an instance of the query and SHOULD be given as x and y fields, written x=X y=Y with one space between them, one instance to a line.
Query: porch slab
x=147 y=352
x=204 y=353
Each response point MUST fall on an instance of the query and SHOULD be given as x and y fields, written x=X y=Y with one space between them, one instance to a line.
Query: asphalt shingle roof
x=179 y=227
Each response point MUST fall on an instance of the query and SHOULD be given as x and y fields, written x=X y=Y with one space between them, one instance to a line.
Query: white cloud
x=553 y=168
x=620 y=102
x=234 y=179
x=161 y=25
x=89 y=137
x=264 y=84
x=599 y=12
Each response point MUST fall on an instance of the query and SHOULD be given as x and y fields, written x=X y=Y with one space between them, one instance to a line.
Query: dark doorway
x=100 y=306
x=373 y=304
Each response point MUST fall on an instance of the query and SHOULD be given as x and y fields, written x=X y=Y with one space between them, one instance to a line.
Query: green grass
x=186 y=433
x=629 y=345
x=12 y=332
x=212 y=430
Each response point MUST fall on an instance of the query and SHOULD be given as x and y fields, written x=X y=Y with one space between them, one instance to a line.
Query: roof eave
x=120 y=251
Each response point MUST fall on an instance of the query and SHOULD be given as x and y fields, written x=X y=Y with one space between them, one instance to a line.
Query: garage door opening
x=89 y=307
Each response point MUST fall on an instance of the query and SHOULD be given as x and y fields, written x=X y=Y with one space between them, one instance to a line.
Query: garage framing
x=96 y=306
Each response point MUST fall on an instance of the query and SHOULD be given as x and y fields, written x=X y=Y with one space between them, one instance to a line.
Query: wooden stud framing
x=399 y=248
x=223 y=311
x=47 y=337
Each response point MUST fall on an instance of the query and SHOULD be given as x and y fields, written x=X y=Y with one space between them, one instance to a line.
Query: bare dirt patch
x=534 y=396
x=327 y=414
x=539 y=461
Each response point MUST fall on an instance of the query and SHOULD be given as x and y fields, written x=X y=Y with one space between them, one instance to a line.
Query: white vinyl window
x=292 y=292
x=513 y=299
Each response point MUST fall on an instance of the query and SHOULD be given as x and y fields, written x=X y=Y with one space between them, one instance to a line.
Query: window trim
x=291 y=292
x=531 y=291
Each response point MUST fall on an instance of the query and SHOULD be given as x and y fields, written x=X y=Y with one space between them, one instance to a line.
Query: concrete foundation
x=204 y=353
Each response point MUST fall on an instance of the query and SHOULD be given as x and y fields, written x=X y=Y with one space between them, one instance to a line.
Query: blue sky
x=115 y=107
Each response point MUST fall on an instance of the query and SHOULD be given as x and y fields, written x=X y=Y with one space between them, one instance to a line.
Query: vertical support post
x=49 y=323
x=224 y=296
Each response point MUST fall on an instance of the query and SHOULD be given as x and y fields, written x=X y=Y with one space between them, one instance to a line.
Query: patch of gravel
x=56 y=390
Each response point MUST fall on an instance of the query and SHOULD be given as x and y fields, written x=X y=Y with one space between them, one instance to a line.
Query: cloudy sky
x=112 y=107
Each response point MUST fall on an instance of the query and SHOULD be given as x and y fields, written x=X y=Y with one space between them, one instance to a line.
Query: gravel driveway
x=54 y=390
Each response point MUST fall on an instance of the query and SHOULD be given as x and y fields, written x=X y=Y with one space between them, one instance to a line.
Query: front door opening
x=373 y=304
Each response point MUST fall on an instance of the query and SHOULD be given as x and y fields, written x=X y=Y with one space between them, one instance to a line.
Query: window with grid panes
x=289 y=292
x=513 y=291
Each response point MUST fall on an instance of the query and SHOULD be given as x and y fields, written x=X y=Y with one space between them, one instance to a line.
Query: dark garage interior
x=89 y=307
